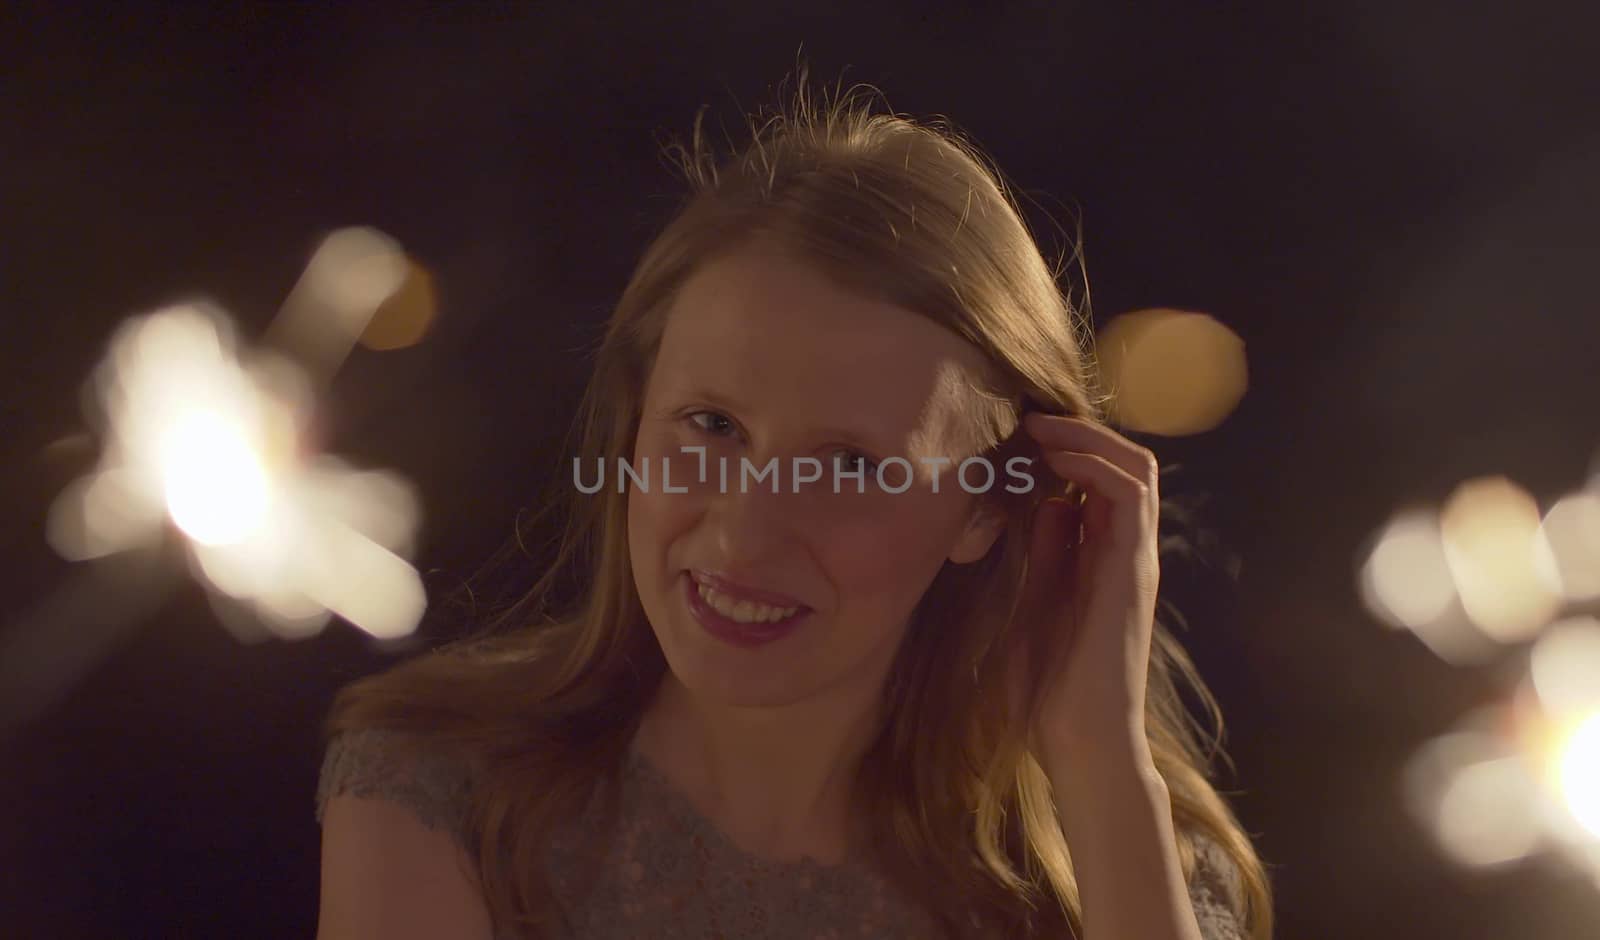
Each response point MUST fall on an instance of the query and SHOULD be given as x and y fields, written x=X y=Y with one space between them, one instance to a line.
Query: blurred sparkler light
x=209 y=437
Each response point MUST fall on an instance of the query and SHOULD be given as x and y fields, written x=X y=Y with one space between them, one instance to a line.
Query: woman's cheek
x=864 y=534
x=891 y=535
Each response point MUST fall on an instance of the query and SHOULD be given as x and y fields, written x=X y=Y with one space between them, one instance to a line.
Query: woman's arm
x=393 y=865
x=1117 y=821
x=1089 y=714
x=386 y=875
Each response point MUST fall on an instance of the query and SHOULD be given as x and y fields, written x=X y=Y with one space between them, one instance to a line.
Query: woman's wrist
x=1101 y=774
x=1100 y=759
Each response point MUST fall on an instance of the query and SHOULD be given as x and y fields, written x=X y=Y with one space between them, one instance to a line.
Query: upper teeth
x=744 y=611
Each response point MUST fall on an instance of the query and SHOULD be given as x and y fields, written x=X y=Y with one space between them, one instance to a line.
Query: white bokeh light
x=1580 y=774
x=215 y=486
x=1564 y=667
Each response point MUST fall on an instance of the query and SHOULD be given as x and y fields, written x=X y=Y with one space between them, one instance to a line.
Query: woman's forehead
x=762 y=303
x=769 y=336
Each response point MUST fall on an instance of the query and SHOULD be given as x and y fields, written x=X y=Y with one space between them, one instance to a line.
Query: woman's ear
x=984 y=525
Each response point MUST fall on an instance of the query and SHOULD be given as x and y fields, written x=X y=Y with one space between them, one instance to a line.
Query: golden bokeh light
x=1172 y=372
x=406 y=315
x=1502 y=566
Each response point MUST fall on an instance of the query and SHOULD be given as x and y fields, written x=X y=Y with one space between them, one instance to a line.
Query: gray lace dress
x=670 y=873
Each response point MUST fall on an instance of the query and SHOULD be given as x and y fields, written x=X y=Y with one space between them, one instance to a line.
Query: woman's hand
x=1094 y=598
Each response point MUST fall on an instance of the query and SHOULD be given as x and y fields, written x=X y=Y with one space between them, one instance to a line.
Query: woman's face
x=762 y=358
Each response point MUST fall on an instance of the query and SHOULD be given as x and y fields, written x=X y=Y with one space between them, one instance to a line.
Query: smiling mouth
x=744 y=625
x=738 y=593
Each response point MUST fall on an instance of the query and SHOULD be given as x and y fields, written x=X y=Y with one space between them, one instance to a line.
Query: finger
x=1101 y=478
x=1059 y=432
x=1117 y=509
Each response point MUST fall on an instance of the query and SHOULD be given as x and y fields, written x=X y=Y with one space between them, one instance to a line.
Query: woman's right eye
x=715 y=422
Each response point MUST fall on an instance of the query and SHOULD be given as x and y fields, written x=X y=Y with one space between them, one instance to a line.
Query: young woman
x=887 y=693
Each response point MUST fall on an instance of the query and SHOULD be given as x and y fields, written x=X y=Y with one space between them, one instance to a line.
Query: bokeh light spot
x=405 y=317
x=1501 y=563
x=1173 y=372
x=1580 y=774
x=216 y=488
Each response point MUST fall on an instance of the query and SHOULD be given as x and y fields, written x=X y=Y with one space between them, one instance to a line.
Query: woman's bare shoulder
x=394 y=864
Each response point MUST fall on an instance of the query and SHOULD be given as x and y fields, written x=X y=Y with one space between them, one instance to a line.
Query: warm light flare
x=215 y=486
x=1580 y=774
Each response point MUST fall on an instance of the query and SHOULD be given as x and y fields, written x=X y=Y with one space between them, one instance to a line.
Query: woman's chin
x=714 y=670
x=710 y=678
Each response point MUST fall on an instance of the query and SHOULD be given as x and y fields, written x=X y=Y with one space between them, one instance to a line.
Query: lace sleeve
x=393 y=766
x=1217 y=893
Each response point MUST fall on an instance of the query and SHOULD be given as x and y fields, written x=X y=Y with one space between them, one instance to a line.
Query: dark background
x=1393 y=204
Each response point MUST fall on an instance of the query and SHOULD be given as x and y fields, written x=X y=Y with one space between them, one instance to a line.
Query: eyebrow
x=863 y=438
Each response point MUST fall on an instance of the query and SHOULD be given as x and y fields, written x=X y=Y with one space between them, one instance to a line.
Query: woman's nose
x=751 y=521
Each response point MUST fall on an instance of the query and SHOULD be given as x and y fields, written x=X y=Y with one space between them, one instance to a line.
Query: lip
x=746 y=635
x=738 y=591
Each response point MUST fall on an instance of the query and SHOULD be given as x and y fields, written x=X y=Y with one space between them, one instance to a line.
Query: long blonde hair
x=544 y=696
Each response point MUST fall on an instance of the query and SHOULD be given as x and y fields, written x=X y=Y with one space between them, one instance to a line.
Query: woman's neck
x=778 y=782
